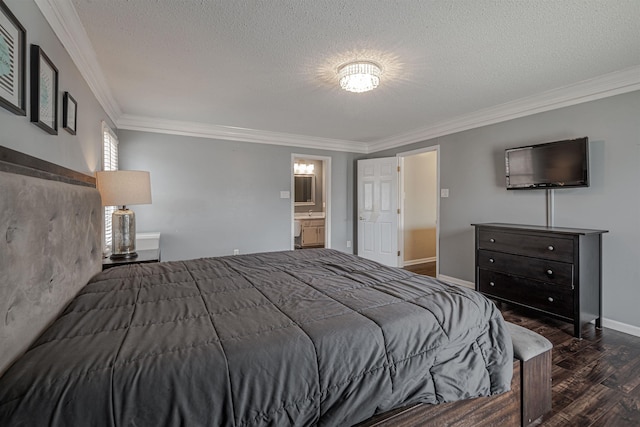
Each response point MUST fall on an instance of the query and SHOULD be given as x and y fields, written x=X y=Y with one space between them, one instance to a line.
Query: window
x=109 y=163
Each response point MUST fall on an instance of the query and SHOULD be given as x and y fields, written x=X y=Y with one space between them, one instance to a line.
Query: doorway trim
x=326 y=185
x=402 y=156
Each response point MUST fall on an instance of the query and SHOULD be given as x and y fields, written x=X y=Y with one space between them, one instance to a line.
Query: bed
x=313 y=337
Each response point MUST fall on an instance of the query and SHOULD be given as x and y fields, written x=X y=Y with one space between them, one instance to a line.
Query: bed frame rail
x=528 y=399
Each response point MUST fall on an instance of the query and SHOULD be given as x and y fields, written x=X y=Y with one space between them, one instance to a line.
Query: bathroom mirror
x=305 y=190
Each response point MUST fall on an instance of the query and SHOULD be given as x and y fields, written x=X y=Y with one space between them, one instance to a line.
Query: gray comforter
x=312 y=337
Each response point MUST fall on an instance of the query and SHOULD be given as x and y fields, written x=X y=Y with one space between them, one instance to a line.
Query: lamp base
x=123 y=234
x=124 y=256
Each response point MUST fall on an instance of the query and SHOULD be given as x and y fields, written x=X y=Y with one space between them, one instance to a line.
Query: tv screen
x=559 y=164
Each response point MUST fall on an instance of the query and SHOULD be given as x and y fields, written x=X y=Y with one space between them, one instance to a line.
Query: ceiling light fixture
x=359 y=76
x=303 y=168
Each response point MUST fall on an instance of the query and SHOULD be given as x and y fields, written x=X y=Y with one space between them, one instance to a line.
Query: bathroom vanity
x=312 y=232
x=309 y=229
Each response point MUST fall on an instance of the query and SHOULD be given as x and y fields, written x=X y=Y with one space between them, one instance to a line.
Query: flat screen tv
x=559 y=164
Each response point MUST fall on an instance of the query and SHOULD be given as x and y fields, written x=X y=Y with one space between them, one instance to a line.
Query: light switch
x=444 y=192
x=285 y=194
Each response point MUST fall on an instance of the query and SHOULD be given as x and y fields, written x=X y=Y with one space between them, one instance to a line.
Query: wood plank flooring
x=426 y=269
x=596 y=380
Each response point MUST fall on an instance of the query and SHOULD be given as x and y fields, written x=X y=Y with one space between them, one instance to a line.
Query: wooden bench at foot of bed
x=528 y=400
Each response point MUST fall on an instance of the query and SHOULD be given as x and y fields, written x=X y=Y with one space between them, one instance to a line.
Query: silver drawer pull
x=550 y=299
x=491 y=260
x=492 y=240
x=491 y=284
x=550 y=247
x=550 y=272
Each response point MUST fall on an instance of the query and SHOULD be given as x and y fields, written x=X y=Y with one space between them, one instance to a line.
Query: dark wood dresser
x=556 y=271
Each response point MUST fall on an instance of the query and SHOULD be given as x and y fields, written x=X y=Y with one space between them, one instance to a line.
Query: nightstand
x=144 y=256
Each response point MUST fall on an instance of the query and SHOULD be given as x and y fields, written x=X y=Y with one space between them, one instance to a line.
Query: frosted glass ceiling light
x=360 y=76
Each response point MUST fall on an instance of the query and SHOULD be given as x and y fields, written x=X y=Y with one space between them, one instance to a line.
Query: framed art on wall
x=44 y=91
x=13 y=51
x=69 y=113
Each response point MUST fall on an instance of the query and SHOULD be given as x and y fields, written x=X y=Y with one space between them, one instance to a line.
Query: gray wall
x=81 y=152
x=472 y=168
x=211 y=196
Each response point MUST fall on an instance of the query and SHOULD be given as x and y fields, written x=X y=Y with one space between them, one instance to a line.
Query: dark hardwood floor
x=596 y=379
x=427 y=268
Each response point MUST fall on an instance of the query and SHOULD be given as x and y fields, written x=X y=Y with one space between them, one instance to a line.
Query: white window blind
x=109 y=163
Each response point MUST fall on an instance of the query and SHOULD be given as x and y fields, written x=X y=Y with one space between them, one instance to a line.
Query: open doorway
x=310 y=201
x=419 y=210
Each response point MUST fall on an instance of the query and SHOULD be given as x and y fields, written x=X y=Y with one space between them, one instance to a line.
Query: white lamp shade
x=120 y=188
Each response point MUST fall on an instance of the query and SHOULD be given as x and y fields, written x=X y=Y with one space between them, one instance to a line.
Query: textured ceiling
x=271 y=65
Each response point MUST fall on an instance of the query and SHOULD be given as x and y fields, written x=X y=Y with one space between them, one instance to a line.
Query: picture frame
x=13 y=62
x=69 y=113
x=44 y=91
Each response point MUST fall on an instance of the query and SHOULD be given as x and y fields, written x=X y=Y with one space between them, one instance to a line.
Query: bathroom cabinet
x=312 y=232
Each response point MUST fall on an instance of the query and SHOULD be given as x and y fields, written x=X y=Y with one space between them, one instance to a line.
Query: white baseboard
x=621 y=327
x=457 y=281
x=606 y=323
x=419 y=261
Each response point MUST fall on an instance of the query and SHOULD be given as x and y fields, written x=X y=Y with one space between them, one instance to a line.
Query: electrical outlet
x=444 y=192
x=348 y=243
x=236 y=251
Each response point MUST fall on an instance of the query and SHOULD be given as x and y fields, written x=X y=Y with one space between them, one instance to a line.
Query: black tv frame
x=549 y=186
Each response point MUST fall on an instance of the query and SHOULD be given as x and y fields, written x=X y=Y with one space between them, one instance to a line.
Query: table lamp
x=121 y=188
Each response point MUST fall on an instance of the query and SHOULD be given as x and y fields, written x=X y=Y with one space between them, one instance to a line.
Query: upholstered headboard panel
x=50 y=246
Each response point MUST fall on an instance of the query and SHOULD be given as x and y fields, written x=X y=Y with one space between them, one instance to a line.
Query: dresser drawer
x=537 y=266
x=534 y=268
x=543 y=296
x=548 y=247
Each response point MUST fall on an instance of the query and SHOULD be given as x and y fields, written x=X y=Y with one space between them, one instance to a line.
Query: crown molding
x=229 y=133
x=616 y=83
x=65 y=23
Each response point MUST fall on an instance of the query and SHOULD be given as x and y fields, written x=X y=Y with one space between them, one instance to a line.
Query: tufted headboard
x=50 y=245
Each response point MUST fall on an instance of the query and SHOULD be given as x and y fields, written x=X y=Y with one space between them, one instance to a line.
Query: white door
x=378 y=210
